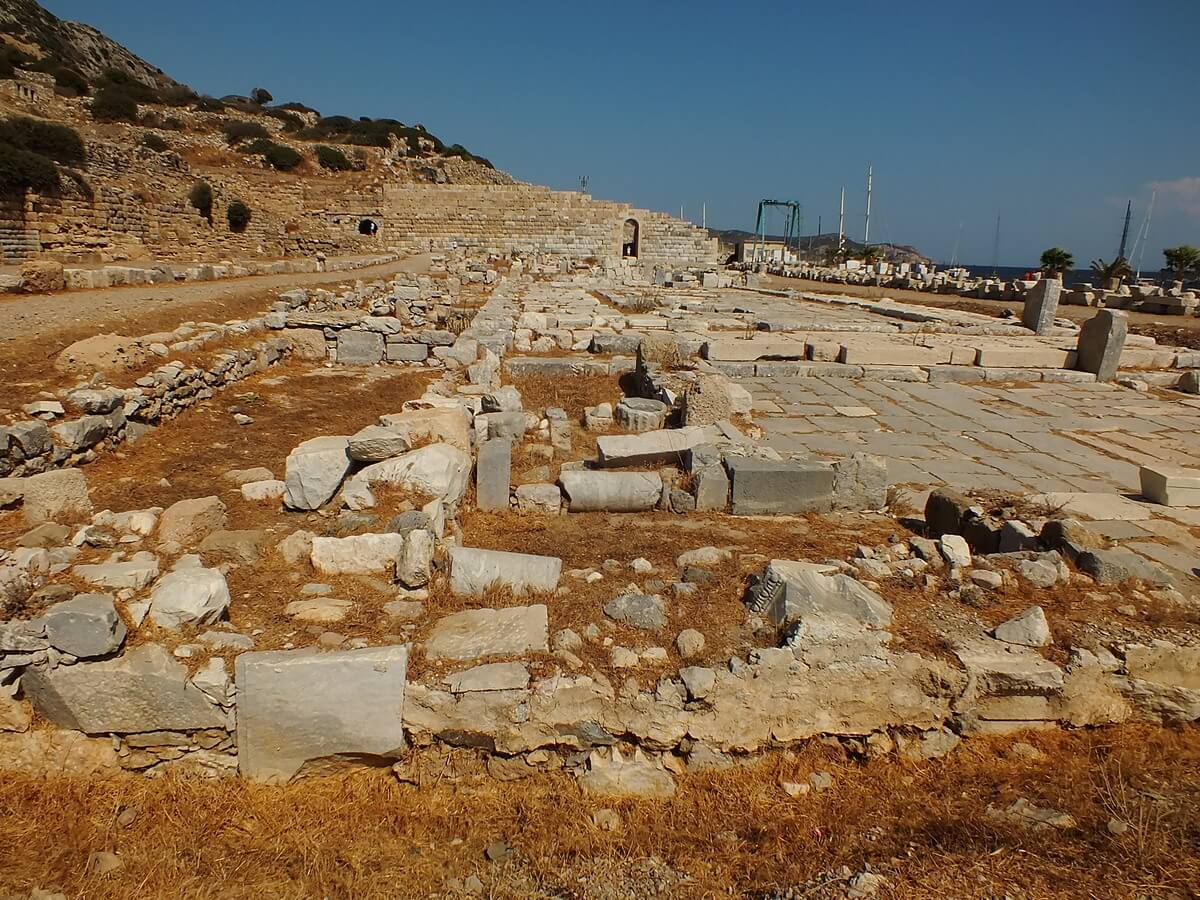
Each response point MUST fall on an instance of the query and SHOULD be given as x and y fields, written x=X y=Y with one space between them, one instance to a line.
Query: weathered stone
x=1120 y=564
x=592 y=491
x=315 y=470
x=85 y=626
x=322 y=610
x=48 y=534
x=241 y=547
x=60 y=495
x=944 y=512
x=493 y=474
x=774 y=487
x=187 y=522
x=617 y=777
x=145 y=689
x=302 y=712
x=1028 y=629
x=711 y=485
x=689 y=643
x=134 y=573
x=416 y=560
x=663 y=446
x=544 y=499
x=639 y=610
x=192 y=596
x=698 y=680
x=357 y=554
x=359 y=348
x=1041 y=305
x=1170 y=485
x=638 y=414
x=474 y=572
x=447 y=423
x=792 y=591
x=80 y=434
x=376 y=443
x=439 y=470
x=509 y=676
x=490 y=632
x=1101 y=341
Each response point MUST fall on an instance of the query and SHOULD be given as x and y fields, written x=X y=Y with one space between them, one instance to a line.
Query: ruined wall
x=521 y=217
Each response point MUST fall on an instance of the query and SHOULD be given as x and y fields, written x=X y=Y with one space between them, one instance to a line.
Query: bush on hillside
x=21 y=170
x=174 y=123
x=238 y=214
x=283 y=157
x=236 y=131
x=111 y=104
x=155 y=142
x=261 y=96
x=56 y=142
x=333 y=159
x=291 y=121
x=178 y=95
x=298 y=107
x=11 y=59
x=201 y=198
x=209 y=104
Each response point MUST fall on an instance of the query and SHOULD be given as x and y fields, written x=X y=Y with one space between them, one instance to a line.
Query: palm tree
x=1055 y=261
x=1183 y=262
x=1111 y=274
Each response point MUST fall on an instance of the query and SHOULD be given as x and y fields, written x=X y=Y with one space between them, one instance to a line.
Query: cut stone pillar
x=493 y=473
x=1041 y=305
x=1101 y=340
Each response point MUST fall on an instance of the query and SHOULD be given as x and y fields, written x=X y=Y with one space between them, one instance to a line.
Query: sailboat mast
x=996 y=248
x=1144 y=237
x=867 y=226
x=1125 y=230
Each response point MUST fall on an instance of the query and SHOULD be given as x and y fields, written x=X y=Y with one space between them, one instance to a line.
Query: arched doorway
x=369 y=227
x=630 y=238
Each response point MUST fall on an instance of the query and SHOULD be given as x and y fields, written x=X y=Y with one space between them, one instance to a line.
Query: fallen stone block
x=190 y=521
x=145 y=689
x=85 y=626
x=663 y=446
x=544 y=499
x=493 y=474
x=510 y=676
x=477 y=633
x=593 y=491
x=314 y=471
x=50 y=496
x=791 y=591
x=474 y=571
x=440 y=470
x=359 y=348
x=357 y=554
x=1170 y=485
x=773 y=487
x=190 y=596
x=376 y=443
x=303 y=712
x=133 y=574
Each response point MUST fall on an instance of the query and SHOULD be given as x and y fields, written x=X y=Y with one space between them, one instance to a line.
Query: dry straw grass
x=732 y=833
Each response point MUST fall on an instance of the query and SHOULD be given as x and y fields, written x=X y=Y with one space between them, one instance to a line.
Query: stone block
x=1170 y=485
x=145 y=689
x=359 y=348
x=357 y=554
x=85 y=626
x=773 y=487
x=375 y=443
x=711 y=485
x=595 y=491
x=302 y=711
x=1101 y=341
x=493 y=473
x=667 y=446
x=473 y=571
x=545 y=499
x=1041 y=307
x=475 y=633
x=407 y=352
x=314 y=471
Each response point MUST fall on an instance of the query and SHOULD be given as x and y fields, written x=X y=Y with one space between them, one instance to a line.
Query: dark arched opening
x=630 y=239
x=368 y=227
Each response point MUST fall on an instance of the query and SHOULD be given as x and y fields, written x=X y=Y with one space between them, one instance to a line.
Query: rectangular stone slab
x=763 y=487
x=476 y=633
x=1170 y=485
x=666 y=445
x=303 y=710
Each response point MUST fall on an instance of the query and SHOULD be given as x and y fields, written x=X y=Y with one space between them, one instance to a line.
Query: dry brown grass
x=729 y=834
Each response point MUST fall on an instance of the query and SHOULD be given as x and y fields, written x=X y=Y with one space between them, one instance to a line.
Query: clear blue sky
x=1051 y=114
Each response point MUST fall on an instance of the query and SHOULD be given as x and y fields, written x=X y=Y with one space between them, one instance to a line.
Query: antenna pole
x=867 y=226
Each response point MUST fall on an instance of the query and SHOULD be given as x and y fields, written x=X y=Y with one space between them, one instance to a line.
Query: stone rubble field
x=564 y=522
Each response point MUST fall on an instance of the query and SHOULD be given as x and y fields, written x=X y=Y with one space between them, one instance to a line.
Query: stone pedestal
x=1041 y=305
x=493 y=474
x=1101 y=340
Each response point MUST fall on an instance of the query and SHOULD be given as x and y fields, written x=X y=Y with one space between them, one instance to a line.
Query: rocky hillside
x=71 y=45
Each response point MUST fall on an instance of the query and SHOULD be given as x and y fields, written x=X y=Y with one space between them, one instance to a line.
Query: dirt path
x=34 y=329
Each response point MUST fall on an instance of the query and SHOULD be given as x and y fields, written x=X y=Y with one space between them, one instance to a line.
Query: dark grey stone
x=493 y=473
x=639 y=610
x=359 y=348
x=1101 y=340
x=771 y=487
x=1041 y=305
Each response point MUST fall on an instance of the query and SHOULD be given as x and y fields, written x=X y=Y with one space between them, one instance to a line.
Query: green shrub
x=201 y=198
x=237 y=131
x=283 y=157
x=154 y=142
x=261 y=96
x=20 y=169
x=333 y=159
x=178 y=95
x=238 y=214
x=299 y=107
x=56 y=142
x=11 y=59
x=174 y=123
x=291 y=121
x=112 y=104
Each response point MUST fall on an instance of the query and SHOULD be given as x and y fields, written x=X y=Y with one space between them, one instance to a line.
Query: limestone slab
x=477 y=633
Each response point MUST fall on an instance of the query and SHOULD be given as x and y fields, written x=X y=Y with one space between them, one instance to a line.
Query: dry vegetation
x=925 y=826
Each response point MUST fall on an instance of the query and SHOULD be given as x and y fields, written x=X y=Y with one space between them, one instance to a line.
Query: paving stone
x=477 y=633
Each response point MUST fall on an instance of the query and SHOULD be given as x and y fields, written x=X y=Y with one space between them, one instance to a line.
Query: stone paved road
x=1021 y=439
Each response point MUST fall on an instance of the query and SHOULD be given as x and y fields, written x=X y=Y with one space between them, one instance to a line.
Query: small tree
x=238 y=214
x=154 y=142
x=113 y=104
x=1056 y=261
x=1183 y=262
x=282 y=157
x=1111 y=274
x=201 y=197
x=261 y=96
x=236 y=131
